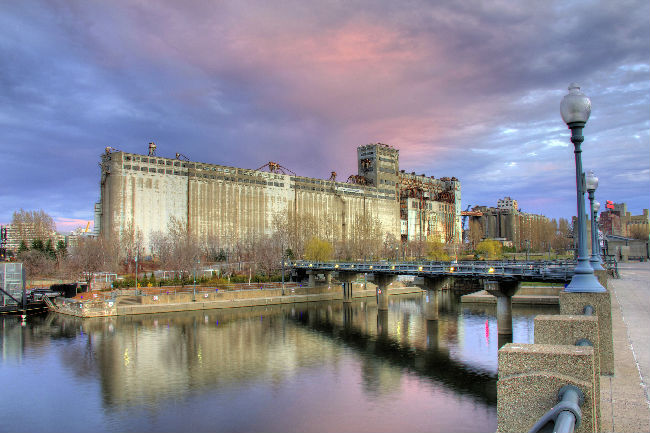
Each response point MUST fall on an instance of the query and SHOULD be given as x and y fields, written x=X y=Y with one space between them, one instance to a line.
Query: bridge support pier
x=432 y=334
x=348 y=315
x=432 y=287
x=503 y=291
x=383 y=281
x=346 y=278
x=328 y=278
x=431 y=305
x=382 y=323
x=312 y=278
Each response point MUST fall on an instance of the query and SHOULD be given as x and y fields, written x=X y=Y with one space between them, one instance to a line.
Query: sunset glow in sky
x=462 y=88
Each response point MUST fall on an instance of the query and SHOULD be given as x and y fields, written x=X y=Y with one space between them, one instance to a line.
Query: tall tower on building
x=378 y=163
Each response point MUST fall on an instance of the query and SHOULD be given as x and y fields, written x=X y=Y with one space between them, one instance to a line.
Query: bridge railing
x=562 y=270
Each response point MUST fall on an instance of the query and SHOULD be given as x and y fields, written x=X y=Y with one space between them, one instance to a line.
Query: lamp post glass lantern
x=575 y=110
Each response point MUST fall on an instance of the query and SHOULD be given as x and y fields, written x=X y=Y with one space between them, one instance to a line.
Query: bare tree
x=131 y=242
x=185 y=251
x=31 y=225
x=38 y=264
x=90 y=256
x=365 y=240
x=390 y=247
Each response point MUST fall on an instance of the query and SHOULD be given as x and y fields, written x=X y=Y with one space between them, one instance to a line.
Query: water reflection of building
x=150 y=359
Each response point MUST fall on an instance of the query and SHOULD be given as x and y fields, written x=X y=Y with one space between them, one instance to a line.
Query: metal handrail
x=566 y=415
x=536 y=270
x=611 y=264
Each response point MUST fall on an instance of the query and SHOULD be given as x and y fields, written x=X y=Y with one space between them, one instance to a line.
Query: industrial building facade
x=230 y=203
x=505 y=222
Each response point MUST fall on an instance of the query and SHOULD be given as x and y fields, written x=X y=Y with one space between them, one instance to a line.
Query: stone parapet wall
x=574 y=304
x=530 y=378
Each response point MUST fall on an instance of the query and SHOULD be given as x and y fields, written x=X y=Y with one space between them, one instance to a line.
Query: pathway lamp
x=592 y=185
x=575 y=110
x=596 y=261
x=198 y=262
x=527 y=248
x=136 y=274
x=283 y=264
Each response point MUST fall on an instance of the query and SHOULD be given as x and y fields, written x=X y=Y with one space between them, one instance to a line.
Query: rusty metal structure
x=274 y=167
x=359 y=180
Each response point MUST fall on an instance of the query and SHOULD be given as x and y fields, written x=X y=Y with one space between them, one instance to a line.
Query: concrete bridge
x=500 y=278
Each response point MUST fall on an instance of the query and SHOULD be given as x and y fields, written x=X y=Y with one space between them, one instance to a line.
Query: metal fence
x=11 y=283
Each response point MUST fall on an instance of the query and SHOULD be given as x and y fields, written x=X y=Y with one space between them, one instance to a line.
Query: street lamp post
x=595 y=260
x=575 y=109
x=283 y=251
x=136 y=273
x=527 y=248
x=198 y=262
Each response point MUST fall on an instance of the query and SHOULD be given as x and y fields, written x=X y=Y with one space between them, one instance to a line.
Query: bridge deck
x=553 y=271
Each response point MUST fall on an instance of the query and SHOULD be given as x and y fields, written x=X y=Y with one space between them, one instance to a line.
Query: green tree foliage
x=49 y=249
x=23 y=247
x=489 y=249
x=435 y=250
x=61 y=248
x=318 y=249
x=38 y=245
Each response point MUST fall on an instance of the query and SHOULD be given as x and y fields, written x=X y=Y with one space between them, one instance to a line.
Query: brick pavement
x=625 y=406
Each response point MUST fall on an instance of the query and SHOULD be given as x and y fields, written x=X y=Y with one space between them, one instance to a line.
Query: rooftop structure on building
x=507 y=203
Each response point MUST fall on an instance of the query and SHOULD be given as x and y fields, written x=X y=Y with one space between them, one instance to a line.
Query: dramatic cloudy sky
x=462 y=88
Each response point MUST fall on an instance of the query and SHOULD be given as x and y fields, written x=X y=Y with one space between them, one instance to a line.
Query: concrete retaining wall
x=164 y=303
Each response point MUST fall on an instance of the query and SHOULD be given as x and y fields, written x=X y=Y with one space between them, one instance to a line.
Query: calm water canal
x=317 y=367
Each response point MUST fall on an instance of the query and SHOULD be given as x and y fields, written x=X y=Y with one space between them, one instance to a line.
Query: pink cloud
x=69 y=224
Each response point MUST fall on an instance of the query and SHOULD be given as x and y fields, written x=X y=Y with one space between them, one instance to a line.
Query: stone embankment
x=127 y=302
x=528 y=295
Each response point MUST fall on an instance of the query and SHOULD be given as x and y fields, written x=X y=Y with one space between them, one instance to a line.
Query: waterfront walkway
x=625 y=406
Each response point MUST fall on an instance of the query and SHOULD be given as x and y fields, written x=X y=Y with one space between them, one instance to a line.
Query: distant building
x=507 y=224
x=620 y=222
x=27 y=234
x=12 y=237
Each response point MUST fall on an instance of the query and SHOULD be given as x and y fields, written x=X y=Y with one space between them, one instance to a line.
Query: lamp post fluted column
x=596 y=261
x=575 y=109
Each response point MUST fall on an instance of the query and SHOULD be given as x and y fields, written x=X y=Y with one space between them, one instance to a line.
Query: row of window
x=388 y=194
x=184 y=164
x=203 y=175
x=306 y=180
